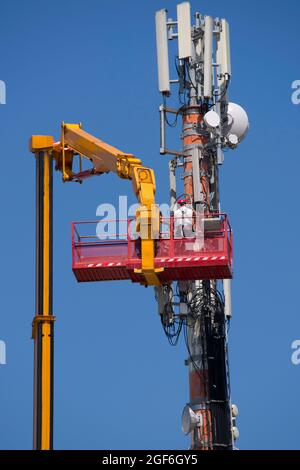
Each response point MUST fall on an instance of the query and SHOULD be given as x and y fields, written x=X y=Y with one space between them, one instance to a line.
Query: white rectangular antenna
x=184 y=30
x=162 y=51
x=223 y=54
x=208 y=50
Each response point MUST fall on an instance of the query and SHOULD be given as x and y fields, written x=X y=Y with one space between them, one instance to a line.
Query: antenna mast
x=209 y=125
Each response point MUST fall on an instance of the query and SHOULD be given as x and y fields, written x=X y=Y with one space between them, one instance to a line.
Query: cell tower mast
x=209 y=125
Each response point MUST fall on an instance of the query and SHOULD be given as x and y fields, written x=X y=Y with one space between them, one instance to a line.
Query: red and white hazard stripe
x=190 y=259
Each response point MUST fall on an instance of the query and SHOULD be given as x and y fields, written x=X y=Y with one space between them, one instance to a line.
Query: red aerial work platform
x=102 y=256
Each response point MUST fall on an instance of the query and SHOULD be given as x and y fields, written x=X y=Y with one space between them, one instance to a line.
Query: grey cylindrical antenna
x=162 y=51
x=227 y=297
x=162 y=130
x=184 y=30
x=172 y=179
x=199 y=51
x=208 y=49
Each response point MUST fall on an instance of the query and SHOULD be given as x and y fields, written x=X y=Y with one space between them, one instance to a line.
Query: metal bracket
x=163 y=148
x=41 y=319
x=187 y=362
x=184 y=175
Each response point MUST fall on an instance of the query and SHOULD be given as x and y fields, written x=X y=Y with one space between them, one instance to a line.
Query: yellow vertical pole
x=43 y=322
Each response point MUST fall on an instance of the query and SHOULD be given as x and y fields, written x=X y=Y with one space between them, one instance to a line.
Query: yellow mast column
x=43 y=322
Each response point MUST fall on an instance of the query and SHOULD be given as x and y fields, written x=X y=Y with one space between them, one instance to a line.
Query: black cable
x=173 y=124
x=191 y=81
x=183 y=103
x=227 y=78
x=172 y=330
x=221 y=95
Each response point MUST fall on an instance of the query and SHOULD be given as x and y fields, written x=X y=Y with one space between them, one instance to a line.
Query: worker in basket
x=184 y=219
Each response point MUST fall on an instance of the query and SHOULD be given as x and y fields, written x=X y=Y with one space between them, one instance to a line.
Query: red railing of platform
x=111 y=250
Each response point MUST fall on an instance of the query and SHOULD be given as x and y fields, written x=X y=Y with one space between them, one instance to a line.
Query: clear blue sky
x=118 y=384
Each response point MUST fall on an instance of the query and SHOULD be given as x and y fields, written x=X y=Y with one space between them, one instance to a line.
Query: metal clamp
x=41 y=319
x=186 y=174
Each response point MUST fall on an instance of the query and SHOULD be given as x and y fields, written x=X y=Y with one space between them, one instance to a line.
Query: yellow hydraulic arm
x=104 y=159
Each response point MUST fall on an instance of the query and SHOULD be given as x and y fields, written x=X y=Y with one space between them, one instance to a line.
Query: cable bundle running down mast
x=210 y=124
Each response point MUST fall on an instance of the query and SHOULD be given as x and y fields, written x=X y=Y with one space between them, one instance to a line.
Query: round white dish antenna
x=212 y=119
x=238 y=121
x=189 y=420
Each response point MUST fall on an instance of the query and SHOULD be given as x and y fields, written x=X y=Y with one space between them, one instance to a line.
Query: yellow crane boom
x=106 y=158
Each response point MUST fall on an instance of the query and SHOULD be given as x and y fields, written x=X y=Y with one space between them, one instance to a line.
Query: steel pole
x=198 y=365
x=43 y=322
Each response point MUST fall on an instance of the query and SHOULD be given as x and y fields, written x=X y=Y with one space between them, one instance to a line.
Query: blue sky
x=118 y=384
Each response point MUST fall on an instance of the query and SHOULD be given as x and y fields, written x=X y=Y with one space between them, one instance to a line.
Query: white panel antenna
x=184 y=30
x=208 y=50
x=223 y=53
x=162 y=51
x=199 y=49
